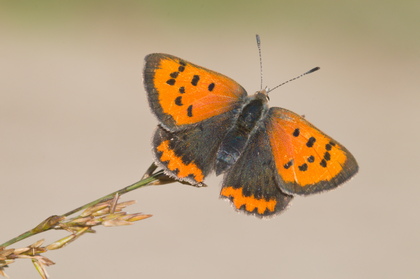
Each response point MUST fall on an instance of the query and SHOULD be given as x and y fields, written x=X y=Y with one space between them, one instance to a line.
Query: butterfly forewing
x=181 y=93
x=307 y=160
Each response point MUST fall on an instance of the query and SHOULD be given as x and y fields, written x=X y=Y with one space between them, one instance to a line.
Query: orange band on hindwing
x=175 y=163
x=249 y=204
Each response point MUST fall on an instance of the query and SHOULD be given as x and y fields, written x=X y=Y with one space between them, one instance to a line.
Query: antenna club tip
x=312 y=70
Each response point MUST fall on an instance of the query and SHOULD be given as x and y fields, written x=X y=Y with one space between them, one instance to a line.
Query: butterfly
x=207 y=122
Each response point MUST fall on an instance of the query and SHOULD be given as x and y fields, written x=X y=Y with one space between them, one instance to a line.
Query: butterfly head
x=262 y=95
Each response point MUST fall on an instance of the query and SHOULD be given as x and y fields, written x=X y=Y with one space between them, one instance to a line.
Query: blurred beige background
x=75 y=125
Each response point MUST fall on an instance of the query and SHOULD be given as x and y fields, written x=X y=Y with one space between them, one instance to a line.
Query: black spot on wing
x=182 y=64
x=178 y=101
x=311 y=142
x=170 y=81
x=174 y=74
x=189 y=111
x=211 y=86
x=195 y=80
x=303 y=167
x=288 y=164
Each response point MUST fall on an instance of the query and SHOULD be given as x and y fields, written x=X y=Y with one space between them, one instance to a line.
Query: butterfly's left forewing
x=307 y=160
x=181 y=93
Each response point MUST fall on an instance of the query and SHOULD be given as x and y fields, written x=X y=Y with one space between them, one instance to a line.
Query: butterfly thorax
x=236 y=139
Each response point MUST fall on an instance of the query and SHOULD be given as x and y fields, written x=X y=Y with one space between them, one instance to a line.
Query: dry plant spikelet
x=108 y=213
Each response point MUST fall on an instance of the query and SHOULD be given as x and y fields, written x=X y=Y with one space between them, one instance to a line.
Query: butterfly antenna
x=259 y=52
x=299 y=76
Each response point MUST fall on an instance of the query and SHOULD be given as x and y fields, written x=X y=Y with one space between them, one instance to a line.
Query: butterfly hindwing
x=307 y=160
x=251 y=184
x=181 y=93
x=190 y=154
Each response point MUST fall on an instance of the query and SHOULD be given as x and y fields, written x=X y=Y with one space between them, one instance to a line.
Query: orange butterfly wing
x=307 y=160
x=181 y=93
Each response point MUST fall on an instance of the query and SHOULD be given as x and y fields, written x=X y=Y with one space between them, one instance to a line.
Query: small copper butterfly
x=207 y=122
